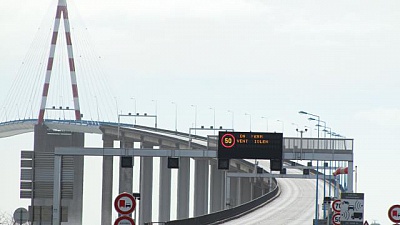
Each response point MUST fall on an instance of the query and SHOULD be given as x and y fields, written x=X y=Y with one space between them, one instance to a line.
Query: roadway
x=294 y=206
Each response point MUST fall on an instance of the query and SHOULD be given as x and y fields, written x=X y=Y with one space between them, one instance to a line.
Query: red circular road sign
x=228 y=140
x=336 y=205
x=124 y=220
x=125 y=203
x=394 y=213
x=336 y=219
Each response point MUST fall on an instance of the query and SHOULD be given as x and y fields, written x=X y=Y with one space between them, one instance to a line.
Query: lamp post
x=297 y=127
x=116 y=105
x=283 y=125
x=232 y=117
x=266 y=119
x=247 y=114
x=195 y=118
x=301 y=139
x=176 y=115
x=316 y=186
x=97 y=106
x=155 y=101
x=134 y=102
x=323 y=162
x=214 y=118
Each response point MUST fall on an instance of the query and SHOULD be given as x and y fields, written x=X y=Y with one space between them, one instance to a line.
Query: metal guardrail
x=229 y=214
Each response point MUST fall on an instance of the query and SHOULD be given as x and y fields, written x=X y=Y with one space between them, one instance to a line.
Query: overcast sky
x=336 y=59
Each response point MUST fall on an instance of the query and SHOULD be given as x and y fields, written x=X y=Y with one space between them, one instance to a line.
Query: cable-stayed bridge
x=219 y=195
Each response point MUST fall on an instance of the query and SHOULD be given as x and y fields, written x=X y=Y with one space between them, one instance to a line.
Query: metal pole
x=232 y=117
x=316 y=186
x=57 y=190
x=195 y=118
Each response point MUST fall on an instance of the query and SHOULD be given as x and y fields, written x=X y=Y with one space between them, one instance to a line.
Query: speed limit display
x=250 y=145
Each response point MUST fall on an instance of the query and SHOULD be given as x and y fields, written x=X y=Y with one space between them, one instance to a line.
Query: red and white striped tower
x=61 y=9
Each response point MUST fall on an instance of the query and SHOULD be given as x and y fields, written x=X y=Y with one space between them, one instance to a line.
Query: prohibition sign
x=228 y=140
x=124 y=220
x=336 y=205
x=394 y=213
x=125 y=203
x=336 y=219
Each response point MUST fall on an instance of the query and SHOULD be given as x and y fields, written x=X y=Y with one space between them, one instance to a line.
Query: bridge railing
x=228 y=214
x=318 y=143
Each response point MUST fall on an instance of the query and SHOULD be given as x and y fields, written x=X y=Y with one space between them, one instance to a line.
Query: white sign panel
x=352 y=209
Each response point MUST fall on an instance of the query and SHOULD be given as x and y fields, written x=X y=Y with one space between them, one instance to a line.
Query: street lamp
x=97 y=106
x=316 y=186
x=155 y=111
x=176 y=115
x=214 y=117
x=232 y=116
x=134 y=102
x=301 y=139
x=266 y=119
x=250 y=119
x=297 y=126
x=283 y=125
x=330 y=162
x=318 y=125
x=195 y=117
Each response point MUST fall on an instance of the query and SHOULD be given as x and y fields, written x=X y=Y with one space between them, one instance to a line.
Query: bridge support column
x=246 y=190
x=350 y=177
x=201 y=187
x=106 y=198
x=146 y=188
x=236 y=191
x=217 y=194
x=183 y=189
x=164 y=209
x=125 y=173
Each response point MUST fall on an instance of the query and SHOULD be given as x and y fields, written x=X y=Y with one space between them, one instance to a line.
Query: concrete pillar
x=125 y=174
x=183 y=189
x=237 y=191
x=258 y=189
x=217 y=188
x=246 y=190
x=164 y=209
x=201 y=187
x=233 y=188
x=146 y=188
x=350 y=177
x=227 y=202
x=106 y=197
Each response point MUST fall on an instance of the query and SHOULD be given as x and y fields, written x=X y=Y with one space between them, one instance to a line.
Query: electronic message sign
x=250 y=145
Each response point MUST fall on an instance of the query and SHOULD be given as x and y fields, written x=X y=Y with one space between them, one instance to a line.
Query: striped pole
x=61 y=9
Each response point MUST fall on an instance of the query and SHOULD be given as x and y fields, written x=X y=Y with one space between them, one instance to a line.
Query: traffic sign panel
x=394 y=213
x=336 y=205
x=124 y=220
x=336 y=219
x=352 y=209
x=125 y=203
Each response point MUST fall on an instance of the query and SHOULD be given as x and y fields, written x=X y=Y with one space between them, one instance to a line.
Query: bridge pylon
x=61 y=10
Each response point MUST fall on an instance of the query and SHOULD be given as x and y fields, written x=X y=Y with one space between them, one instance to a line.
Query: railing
x=226 y=215
x=318 y=143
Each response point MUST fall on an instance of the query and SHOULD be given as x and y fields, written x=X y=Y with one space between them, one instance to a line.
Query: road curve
x=295 y=205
